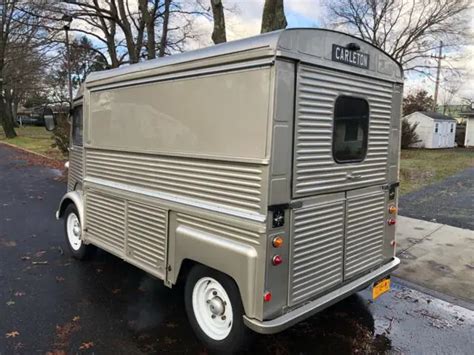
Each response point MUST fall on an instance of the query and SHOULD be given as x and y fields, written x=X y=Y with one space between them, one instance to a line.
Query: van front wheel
x=215 y=310
x=73 y=231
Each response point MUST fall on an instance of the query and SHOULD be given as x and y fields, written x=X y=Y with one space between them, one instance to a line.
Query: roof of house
x=437 y=115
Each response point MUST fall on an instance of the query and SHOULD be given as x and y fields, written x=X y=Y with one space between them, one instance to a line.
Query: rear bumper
x=297 y=315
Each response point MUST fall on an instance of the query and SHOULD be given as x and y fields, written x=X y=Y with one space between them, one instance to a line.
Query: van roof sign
x=350 y=57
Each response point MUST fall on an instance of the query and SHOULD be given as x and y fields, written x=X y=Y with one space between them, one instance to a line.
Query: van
x=262 y=173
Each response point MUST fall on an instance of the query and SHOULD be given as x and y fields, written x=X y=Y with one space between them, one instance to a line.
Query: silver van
x=262 y=173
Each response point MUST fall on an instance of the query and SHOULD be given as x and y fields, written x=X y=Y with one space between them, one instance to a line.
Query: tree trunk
x=6 y=121
x=218 y=34
x=273 y=17
x=164 y=32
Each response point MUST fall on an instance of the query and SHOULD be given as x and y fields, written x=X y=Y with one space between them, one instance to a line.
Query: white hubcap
x=212 y=308
x=74 y=231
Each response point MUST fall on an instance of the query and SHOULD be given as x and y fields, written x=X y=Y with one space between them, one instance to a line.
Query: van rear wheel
x=73 y=231
x=214 y=309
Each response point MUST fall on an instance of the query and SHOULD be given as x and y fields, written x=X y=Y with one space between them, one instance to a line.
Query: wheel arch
x=234 y=259
x=74 y=197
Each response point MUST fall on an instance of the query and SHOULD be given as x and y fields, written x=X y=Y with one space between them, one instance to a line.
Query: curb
x=30 y=151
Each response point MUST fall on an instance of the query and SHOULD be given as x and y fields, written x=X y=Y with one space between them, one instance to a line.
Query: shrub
x=409 y=136
x=61 y=133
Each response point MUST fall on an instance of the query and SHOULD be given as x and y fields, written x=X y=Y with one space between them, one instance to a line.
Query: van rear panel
x=338 y=231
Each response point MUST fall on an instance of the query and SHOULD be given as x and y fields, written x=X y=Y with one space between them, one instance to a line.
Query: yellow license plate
x=380 y=287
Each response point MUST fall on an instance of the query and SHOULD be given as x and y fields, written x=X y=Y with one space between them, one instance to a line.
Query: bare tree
x=273 y=17
x=26 y=41
x=131 y=31
x=408 y=30
x=219 y=31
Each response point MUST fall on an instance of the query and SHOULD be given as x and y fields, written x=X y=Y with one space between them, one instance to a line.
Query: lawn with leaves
x=422 y=167
x=35 y=139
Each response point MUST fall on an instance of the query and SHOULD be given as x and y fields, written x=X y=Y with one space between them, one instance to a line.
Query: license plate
x=380 y=287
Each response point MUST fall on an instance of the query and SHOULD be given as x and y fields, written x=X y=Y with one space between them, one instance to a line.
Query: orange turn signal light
x=277 y=242
x=392 y=209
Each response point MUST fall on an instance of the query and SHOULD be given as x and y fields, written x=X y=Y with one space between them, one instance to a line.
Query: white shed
x=434 y=129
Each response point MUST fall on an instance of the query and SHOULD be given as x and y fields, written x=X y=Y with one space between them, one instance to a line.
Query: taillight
x=267 y=296
x=391 y=221
x=277 y=242
x=277 y=260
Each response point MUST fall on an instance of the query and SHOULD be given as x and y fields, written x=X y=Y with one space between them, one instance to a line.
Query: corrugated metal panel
x=105 y=219
x=315 y=169
x=229 y=232
x=75 y=167
x=364 y=233
x=316 y=249
x=231 y=184
x=146 y=234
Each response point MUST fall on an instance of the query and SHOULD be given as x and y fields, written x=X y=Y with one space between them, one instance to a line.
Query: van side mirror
x=48 y=118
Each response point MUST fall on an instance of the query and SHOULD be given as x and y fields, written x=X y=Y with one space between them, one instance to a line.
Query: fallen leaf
x=86 y=345
x=12 y=334
x=19 y=293
x=76 y=318
x=56 y=352
x=59 y=278
x=7 y=243
x=98 y=270
x=40 y=253
x=39 y=262
x=25 y=258
x=10 y=303
x=116 y=290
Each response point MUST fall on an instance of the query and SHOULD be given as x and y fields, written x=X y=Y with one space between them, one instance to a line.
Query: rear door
x=340 y=167
x=349 y=111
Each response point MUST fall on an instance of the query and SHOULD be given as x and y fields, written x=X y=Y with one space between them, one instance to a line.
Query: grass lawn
x=36 y=139
x=421 y=167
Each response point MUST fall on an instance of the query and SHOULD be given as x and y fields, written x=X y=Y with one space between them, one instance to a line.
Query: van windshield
x=351 y=126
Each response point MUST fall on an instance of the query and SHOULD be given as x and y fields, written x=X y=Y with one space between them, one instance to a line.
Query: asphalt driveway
x=50 y=303
x=450 y=201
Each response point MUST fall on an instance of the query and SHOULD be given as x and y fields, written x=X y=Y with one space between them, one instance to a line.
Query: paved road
x=450 y=201
x=52 y=303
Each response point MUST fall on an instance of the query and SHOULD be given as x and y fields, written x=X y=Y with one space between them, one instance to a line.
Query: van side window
x=351 y=127
x=77 y=126
x=436 y=128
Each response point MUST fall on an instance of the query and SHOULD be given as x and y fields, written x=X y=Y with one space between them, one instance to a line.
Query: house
x=468 y=117
x=434 y=129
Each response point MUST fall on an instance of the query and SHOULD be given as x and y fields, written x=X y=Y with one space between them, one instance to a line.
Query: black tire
x=84 y=251
x=239 y=335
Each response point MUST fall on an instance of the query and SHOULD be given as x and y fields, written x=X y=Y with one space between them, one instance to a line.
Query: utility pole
x=67 y=19
x=439 y=57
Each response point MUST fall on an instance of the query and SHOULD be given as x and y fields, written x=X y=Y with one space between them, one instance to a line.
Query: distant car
x=30 y=120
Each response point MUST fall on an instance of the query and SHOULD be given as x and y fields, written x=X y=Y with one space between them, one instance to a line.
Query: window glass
x=77 y=126
x=351 y=127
